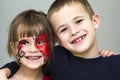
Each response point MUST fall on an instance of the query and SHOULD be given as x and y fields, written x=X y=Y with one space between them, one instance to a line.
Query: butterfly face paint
x=43 y=45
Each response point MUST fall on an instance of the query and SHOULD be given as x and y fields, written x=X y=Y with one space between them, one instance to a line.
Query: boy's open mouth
x=79 y=39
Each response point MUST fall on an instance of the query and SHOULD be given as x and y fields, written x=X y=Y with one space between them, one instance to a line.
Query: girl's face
x=33 y=51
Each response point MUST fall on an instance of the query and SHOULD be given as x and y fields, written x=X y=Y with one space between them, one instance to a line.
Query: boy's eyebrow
x=77 y=17
x=72 y=20
x=63 y=25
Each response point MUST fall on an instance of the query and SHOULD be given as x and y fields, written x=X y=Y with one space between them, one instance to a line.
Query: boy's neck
x=88 y=55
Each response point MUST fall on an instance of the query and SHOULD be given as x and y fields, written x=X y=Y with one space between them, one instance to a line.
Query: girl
x=28 y=43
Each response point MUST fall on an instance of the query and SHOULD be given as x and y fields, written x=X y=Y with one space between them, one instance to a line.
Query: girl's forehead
x=42 y=35
x=27 y=38
x=29 y=31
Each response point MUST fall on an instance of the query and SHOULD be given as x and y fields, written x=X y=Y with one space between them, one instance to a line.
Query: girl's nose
x=33 y=48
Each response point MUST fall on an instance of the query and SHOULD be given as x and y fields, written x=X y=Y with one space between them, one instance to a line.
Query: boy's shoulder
x=60 y=51
x=114 y=58
x=59 y=48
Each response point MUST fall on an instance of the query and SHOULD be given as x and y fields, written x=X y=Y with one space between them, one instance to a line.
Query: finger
x=103 y=53
x=111 y=53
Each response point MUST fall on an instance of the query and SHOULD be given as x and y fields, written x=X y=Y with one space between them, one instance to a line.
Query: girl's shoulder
x=47 y=78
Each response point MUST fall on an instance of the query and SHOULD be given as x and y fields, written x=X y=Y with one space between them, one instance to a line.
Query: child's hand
x=4 y=73
x=107 y=53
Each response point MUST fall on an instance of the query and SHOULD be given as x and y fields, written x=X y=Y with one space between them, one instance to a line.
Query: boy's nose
x=74 y=30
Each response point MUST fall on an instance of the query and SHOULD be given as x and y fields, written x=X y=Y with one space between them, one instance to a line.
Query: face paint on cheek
x=21 y=53
x=43 y=45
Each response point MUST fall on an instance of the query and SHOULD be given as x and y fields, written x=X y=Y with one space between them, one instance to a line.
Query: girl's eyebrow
x=23 y=39
x=27 y=39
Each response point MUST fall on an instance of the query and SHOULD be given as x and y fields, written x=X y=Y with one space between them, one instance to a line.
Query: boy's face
x=74 y=28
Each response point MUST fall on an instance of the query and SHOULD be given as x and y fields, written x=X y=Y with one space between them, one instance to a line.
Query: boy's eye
x=79 y=21
x=62 y=30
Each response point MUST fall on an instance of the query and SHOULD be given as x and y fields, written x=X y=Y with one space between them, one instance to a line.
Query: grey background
x=108 y=33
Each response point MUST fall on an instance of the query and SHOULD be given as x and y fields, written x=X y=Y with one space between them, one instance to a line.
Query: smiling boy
x=74 y=24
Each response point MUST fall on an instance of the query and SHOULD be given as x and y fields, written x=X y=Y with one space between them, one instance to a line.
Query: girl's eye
x=40 y=42
x=23 y=42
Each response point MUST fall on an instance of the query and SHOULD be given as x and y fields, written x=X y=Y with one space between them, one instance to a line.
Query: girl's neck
x=28 y=74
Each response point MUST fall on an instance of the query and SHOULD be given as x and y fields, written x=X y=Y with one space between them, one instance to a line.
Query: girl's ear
x=96 y=21
x=13 y=48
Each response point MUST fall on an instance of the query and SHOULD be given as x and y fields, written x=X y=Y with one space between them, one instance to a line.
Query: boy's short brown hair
x=58 y=4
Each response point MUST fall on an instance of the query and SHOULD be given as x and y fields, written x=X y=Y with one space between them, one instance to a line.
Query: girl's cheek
x=21 y=52
x=44 y=49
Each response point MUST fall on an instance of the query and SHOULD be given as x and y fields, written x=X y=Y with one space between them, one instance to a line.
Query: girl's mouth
x=33 y=58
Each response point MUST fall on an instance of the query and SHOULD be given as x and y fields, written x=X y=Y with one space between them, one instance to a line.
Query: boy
x=74 y=24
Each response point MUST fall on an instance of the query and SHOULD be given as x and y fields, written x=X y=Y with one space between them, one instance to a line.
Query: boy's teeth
x=78 y=39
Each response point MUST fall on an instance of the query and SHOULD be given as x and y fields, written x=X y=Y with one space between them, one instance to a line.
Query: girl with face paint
x=30 y=43
x=40 y=42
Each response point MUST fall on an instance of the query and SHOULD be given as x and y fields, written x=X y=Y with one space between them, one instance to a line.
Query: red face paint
x=20 y=44
x=43 y=45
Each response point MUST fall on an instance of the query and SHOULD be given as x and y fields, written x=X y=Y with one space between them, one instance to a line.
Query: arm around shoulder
x=9 y=69
x=4 y=73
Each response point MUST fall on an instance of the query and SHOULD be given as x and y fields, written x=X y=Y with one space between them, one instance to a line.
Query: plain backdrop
x=108 y=34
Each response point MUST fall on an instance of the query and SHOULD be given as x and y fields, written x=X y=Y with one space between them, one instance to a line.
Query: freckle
x=34 y=38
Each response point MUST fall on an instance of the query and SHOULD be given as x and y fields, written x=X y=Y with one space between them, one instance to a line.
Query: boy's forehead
x=67 y=10
x=66 y=14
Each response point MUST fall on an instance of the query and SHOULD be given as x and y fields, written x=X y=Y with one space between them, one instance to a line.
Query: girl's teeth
x=33 y=58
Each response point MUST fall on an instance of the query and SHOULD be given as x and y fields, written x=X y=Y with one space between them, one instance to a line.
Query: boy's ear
x=96 y=21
